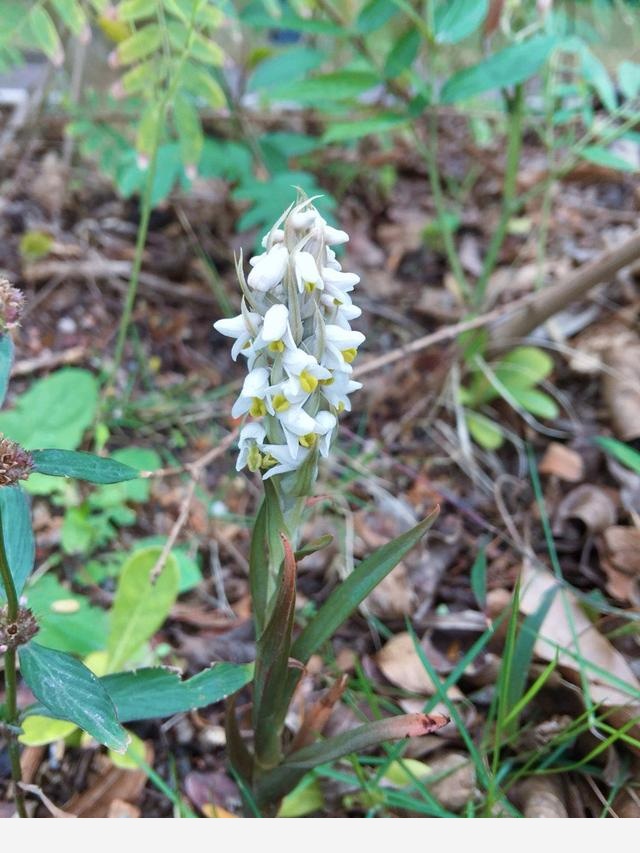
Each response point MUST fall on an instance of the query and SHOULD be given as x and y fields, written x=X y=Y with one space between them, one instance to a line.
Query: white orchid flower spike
x=295 y=333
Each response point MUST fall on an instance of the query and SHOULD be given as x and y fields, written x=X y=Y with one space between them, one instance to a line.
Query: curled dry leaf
x=566 y=632
x=562 y=462
x=401 y=665
x=542 y=797
x=621 y=562
x=621 y=389
x=590 y=506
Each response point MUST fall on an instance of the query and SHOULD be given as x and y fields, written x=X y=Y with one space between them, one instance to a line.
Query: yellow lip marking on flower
x=328 y=381
x=309 y=439
x=246 y=345
x=280 y=403
x=254 y=459
x=268 y=461
x=309 y=286
x=339 y=408
x=258 y=408
x=276 y=346
x=308 y=382
x=350 y=354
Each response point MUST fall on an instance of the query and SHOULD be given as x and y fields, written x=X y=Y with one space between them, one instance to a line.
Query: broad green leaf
x=146 y=694
x=68 y=621
x=54 y=412
x=285 y=67
x=512 y=65
x=355 y=588
x=70 y=691
x=335 y=86
x=457 y=19
x=136 y=490
x=374 y=15
x=45 y=34
x=523 y=367
x=141 y=604
x=484 y=431
x=629 y=79
x=82 y=466
x=603 y=157
x=6 y=360
x=536 y=402
x=39 y=731
x=402 y=54
x=357 y=129
x=621 y=451
x=17 y=532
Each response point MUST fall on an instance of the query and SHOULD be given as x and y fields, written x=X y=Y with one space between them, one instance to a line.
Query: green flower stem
x=11 y=682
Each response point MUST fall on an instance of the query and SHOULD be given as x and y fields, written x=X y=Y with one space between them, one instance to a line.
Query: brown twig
x=534 y=310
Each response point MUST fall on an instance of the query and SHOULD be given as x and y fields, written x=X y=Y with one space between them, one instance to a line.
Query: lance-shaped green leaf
x=352 y=591
x=510 y=66
x=284 y=778
x=272 y=664
x=265 y=553
x=70 y=691
x=145 y=694
x=240 y=758
x=17 y=533
x=6 y=360
x=313 y=546
x=82 y=466
x=141 y=604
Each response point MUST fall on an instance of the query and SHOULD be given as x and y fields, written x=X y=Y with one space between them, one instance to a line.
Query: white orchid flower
x=268 y=268
x=306 y=272
x=341 y=347
x=298 y=343
x=276 y=331
x=304 y=369
x=243 y=328
x=336 y=391
x=285 y=461
x=250 y=444
x=254 y=395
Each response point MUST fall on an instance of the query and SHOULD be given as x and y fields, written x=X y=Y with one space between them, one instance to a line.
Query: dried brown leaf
x=562 y=462
x=401 y=665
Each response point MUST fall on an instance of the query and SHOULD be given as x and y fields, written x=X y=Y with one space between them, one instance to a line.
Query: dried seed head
x=16 y=632
x=16 y=463
x=11 y=305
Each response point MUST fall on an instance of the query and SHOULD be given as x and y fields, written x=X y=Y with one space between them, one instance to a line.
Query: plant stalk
x=11 y=682
x=509 y=192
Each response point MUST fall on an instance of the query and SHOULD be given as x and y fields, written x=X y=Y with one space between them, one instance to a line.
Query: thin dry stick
x=517 y=319
x=545 y=303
